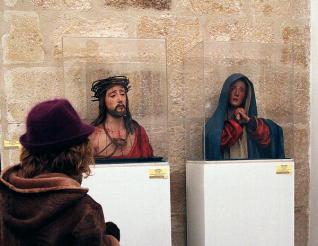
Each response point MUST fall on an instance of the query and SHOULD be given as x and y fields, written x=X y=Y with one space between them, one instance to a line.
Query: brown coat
x=49 y=209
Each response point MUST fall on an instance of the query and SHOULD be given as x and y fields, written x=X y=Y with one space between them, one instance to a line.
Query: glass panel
x=193 y=66
x=269 y=68
x=143 y=62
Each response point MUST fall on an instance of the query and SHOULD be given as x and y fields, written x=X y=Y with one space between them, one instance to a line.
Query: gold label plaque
x=11 y=144
x=158 y=173
x=284 y=169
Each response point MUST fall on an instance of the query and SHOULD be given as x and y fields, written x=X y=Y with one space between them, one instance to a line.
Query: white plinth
x=138 y=204
x=240 y=203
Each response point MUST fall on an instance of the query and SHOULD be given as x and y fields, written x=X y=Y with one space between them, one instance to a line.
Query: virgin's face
x=237 y=95
x=115 y=100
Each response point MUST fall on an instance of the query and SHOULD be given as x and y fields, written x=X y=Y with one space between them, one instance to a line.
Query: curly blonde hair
x=73 y=161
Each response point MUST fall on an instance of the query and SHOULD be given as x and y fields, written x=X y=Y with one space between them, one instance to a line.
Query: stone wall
x=32 y=66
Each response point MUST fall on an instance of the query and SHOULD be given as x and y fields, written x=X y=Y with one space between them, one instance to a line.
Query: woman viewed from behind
x=41 y=199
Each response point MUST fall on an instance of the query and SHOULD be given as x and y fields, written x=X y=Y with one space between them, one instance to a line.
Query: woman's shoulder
x=88 y=203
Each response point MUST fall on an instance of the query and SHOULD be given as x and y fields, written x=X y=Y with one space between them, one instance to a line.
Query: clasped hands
x=241 y=116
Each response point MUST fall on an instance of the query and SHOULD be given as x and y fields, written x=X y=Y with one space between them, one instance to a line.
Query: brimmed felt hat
x=54 y=125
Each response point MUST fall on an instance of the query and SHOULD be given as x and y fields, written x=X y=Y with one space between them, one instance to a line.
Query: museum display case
x=239 y=144
x=268 y=67
x=143 y=62
x=133 y=189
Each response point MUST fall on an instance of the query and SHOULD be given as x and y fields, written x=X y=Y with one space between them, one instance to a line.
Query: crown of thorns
x=102 y=85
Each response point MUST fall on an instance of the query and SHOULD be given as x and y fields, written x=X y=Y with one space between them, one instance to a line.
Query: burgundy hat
x=54 y=125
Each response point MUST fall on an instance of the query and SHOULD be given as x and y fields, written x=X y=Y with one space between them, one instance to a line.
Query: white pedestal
x=240 y=203
x=137 y=198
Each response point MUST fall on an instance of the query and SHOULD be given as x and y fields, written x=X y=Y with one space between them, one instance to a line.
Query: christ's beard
x=117 y=114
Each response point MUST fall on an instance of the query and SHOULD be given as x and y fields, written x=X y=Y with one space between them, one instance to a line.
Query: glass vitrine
x=142 y=61
x=269 y=67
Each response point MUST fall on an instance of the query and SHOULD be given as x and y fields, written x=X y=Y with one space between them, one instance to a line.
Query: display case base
x=241 y=203
x=137 y=198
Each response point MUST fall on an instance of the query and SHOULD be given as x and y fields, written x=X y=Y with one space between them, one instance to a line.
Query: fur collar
x=41 y=183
